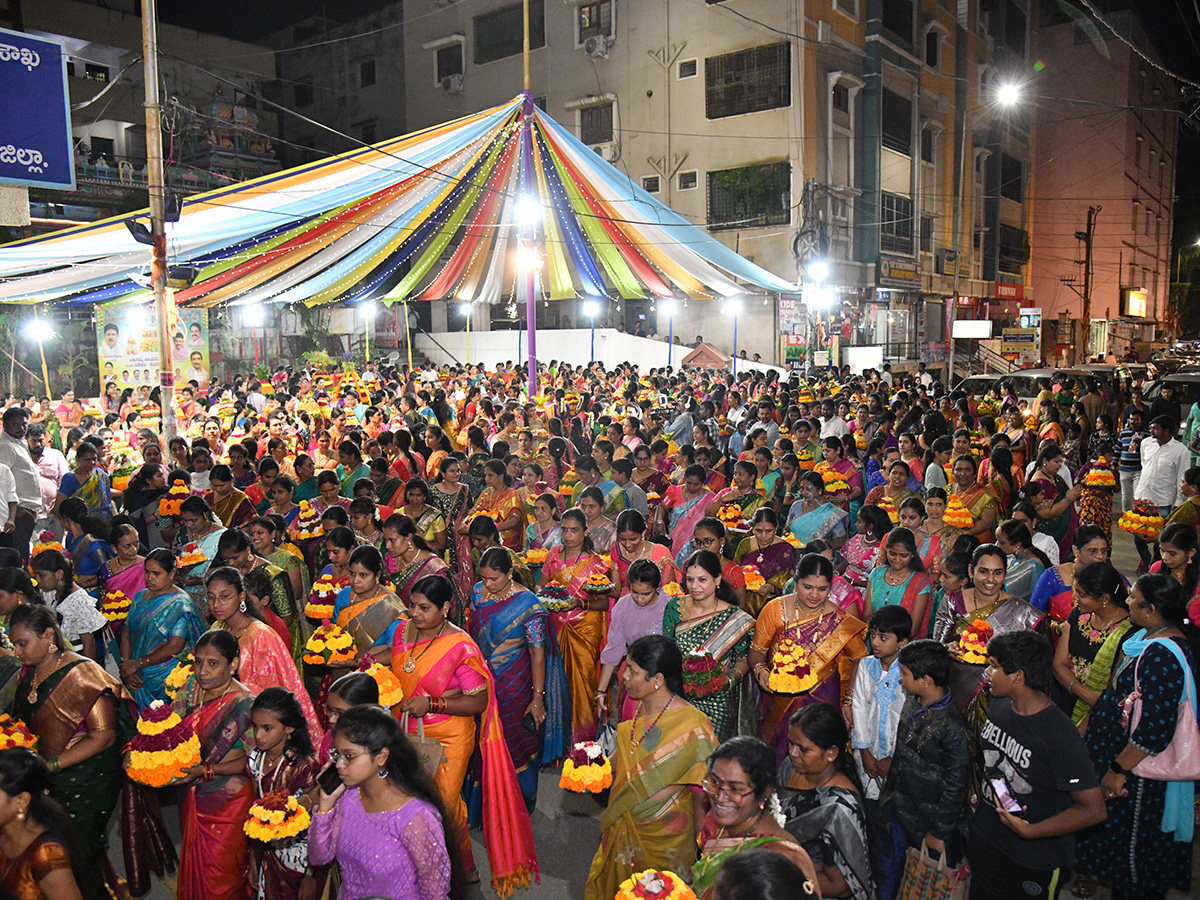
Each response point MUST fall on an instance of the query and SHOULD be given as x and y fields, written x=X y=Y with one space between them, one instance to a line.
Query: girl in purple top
x=385 y=824
x=637 y=614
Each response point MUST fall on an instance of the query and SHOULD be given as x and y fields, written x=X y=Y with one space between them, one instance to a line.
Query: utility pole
x=1087 y=236
x=158 y=215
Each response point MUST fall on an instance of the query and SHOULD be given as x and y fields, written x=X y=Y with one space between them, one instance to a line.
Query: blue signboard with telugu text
x=35 y=113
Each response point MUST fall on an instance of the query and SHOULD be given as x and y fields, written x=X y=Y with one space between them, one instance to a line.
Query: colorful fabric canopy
x=428 y=216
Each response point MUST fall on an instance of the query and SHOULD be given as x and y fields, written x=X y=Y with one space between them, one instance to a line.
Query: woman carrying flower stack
x=813 y=517
x=741 y=494
x=502 y=504
x=683 y=506
x=409 y=558
x=772 y=556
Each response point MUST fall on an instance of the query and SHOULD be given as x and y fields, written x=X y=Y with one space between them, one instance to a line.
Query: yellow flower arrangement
x=1143 y=520
x=163 y=747
x=276 y=817
x=536 y=556
x=972 y=646
x=308 y=522
x=170 y=504
x=888 y=505
x=1101 y=475
x=673 y=589
x=178 y=676
x=793 y=540
x=790 y=671
x=731 y=517
x=754 y=578
x=320 y=599
x=115 y=607
x=598 y=583
x=654 y=885
x=329 y=644
x=957 y=515
x=390 y=691
x=586 y=770
x=192 y=555
x=15 y=733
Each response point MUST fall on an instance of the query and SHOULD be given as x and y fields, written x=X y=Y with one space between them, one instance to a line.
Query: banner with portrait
x=127 y=341
x=189 y=349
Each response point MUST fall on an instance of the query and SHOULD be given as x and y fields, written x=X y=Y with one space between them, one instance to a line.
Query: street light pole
x=734 y=307
x=465 y=309
x=667 y=308
x=41 y=331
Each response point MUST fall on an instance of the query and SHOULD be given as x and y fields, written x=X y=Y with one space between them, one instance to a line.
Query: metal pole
x=42 y=351
x=468 y=336
x=367 y=341
x=254 y=337
x=527 y=189
x=735 y=318
x=593 y=337
x=525 y=46
x=958 y=226
x=670 y=338
x=407 y=334
x=158 y=212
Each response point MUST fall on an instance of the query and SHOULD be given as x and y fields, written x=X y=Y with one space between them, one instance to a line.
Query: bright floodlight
x=667 y=309
x=528 y=259
x=818 y=270
x=1008 y=93
x=252 y=315
x=528 y=211
x=732 y=307
x=139 y=316
x=38 y=330
x=369 y=309
x=825 y=298
x=465 y=309
x=590 y=309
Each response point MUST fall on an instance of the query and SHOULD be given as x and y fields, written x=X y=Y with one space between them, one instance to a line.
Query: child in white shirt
x=878 y=698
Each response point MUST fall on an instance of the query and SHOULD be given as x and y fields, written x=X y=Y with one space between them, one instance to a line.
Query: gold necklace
x=410 y=664
x=33 y=683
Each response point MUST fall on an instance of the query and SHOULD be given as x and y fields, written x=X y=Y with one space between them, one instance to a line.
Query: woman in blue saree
x=511 y=626
x=87 y=483
x=812 y=517
x=163 y=622
x=85 y=539
x=204 y=530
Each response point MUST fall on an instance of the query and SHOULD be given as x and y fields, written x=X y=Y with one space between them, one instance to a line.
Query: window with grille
x=302 y=92
x=748 y=81
x=688 y=181
x=502 y=33
x=449 y=61
x=750 y=196
x=650 y=184
x=1012 y=178
x=366 y=73
x=688 y=68
x=94 y=72
x=596 y=124
x=595 y=19
x=841 y=98
x=895 y=223
x=897 y=122
x=926 y=234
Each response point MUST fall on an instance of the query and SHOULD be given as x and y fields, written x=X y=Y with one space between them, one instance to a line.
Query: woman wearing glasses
x=650 y=822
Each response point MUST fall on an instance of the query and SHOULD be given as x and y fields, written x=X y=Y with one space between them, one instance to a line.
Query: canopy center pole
x=525 y=46
x=529 y=231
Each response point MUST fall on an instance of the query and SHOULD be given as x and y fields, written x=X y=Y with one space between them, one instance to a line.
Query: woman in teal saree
x=814 y=518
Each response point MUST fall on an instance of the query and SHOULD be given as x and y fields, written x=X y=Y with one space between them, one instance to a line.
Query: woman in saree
x=979 y=499
x=579 y=629
x=651 y=818
x=543 y=532
x=366 y=608
x=484 y=535
x=267 y=535
x=214 y=852
x=835 y=458
x=774 y=558
x=741 y=783
x=205 y=532
x=896 y=487
x=741 y=493
x=1053 y=593
x=630 y=546
x=447 y=684
x=409 y=558
x=439 y=448
x=705 y=621
x=1055 y=503
x=162 y=623
x=86 y=542
x=601 y=530
x=1016 y=431
x=87 y=482
x=73 y=707
x=417 y=503
x=1026 y=563
x=833 y=639
x=823 y=804
x=502 y=504
x=232 y=507
x=140 y=502
x=329 y=494
x=350 y=468
x=512 y=630
x=1091 y=638
x=125 y=572
x=648 y=478
x=813 y=517
x=450 y=496
x=234 y=549
x=683 y=506
x=900 y=580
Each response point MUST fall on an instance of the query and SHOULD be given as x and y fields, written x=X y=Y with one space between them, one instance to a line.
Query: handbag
x=429 y=750
x=1181 y=760
x=926 y=878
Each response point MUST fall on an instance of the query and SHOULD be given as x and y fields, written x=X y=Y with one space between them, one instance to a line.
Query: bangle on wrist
x=55 y=765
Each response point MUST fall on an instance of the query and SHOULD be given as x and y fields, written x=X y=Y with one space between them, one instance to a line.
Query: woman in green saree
x=650 y=821
x=1091 y=638
x=74 y=707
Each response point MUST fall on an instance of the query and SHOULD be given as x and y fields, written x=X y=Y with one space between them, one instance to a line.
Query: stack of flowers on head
x=654 y=885
x=1143 y=520
x=555 y=598
x=988 y=407
x=320 y=599
x=329 y=644
x=979 y=444
x=888 y=505
x=598 y=583
x=115 y=606
x=14 y=733
x=972 y=646
x=308 y=522
x=192 y=555
x=566 y=484
x=390 y=691
x=726 y=428
x=806 y=460
x=1100 y=475
x=586 y=769
x=754 y=578
x=276 y=817
x=731 y=517
x=162 y=748
x=535 y=556
x=46 y=541
x=673 y=589
x=957 y=515
x=790 y=671
x=806 y=394
x=173 y=502
x=179 y=675
x=121 y=476
x=702 y=675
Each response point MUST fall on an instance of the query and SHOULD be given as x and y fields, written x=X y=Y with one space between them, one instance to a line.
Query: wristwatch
x=1118 y=768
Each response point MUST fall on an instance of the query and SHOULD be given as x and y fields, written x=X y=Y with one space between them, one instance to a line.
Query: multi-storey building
x=1107 y=127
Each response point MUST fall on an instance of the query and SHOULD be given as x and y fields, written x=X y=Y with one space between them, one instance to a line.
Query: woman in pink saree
x=684 y=506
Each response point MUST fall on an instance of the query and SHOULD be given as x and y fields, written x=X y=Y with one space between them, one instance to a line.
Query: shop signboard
x=35 y=147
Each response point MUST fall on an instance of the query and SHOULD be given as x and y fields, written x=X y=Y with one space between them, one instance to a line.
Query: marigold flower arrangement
x=653 y=497
x=957 y=515
x=702 y=675
x=320 y=599
x=15 y=733
x=654 y=885
x=555 y=598
x=47 y=541
x=162 y=748
x=673 y=589
x=598 y=583
x=179 y=675
x=121 y=476
x=329 y=644
x=308 y=522
x=793 y=540
x=170 y=505
x=1100 y=475
x=536 y=556
x=754 y=578
x=731 y=517
x=790 y=671
x=806 y=460
x=192 y=555
x=860 y=439
x=888 y=505
x=115 y=606
x=1143 y=520
x=586 y=769
x=390 y=691
x=276 y=817
x=972 y=646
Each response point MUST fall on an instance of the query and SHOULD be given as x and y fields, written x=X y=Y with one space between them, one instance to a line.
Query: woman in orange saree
x=447 y=684
x=214 y=854
x=502 y=503
x=580 y=628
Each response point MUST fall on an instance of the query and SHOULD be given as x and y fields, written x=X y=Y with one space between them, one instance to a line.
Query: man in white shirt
x=52 y=466
x=8 y=500
x=1164 y=460
x=886 y=375
x=14 y=453
x=832 y=425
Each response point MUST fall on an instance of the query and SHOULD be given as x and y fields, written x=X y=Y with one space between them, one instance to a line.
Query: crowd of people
x=630 y=557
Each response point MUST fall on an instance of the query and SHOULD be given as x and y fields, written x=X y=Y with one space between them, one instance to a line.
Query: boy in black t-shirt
x=1039 y=787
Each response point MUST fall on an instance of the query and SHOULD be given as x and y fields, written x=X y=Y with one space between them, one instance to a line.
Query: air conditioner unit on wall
x=607 y=151
x=596 y=45
x=452 y=84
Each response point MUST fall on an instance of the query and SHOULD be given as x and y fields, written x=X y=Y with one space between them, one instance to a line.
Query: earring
x=53 y=647
x=242 y=607
x=382 y=773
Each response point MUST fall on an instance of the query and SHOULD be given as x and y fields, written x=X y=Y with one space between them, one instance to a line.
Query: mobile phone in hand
x=1007 y=801
x=329 y=780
